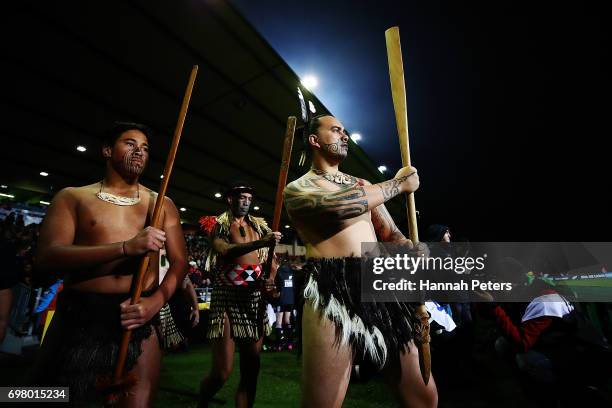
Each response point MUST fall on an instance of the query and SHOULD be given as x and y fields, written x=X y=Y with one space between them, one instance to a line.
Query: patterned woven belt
x=243 y=274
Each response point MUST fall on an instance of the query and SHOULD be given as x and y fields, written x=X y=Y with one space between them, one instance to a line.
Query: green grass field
x=279 y=382
x=465 y=380
x=590 y=290
x=598 y=282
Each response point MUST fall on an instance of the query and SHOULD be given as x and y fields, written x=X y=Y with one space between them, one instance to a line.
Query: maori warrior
x=334 y=213
x=104 y=239
x=237 y=316
x=95 y=236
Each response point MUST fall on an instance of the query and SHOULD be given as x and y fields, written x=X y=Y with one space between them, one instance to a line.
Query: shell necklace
x=118 y=200
x=338 y=178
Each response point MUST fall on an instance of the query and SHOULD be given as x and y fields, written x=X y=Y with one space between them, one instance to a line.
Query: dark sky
x=507 y=105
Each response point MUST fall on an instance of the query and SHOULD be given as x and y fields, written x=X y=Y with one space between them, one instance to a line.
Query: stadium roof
x=72 y=68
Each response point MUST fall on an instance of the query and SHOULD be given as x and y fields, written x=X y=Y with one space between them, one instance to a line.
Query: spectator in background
x=19 y=223
x=8 y=278
x=284 y=309
x=440 y=237
x=556 y=349
x=194 y=274
x=451 y=323
x=17 y=242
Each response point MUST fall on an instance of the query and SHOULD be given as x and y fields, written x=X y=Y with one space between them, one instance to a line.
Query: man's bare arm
x=191 y=295
x=133 y=316
x=385 y=227
x=56 y=249
x=274 y=268
x=176 y=251
x=387 y=231
x=305 y=198
x=232 y=251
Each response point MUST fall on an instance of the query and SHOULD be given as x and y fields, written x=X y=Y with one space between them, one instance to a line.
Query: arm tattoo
x=306 y=198
x=385 y=228
x=390 y=188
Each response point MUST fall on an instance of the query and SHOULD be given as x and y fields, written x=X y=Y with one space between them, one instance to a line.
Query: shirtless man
x=237 y=314
x=95 y=236
x=334 y=213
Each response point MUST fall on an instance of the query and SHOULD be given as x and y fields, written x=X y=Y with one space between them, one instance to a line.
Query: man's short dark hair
x=311 y=128
x=119 y=128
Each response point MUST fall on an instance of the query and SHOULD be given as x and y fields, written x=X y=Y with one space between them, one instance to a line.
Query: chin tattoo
x=130 y=165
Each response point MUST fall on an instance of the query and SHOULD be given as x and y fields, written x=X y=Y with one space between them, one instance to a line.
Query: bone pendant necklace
x=118 y=200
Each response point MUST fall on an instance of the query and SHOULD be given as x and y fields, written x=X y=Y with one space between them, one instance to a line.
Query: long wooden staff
x=282 y=182
x=398 y=90
x=144 y=263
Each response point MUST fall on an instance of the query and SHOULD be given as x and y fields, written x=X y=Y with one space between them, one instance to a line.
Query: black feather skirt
x=376 y=332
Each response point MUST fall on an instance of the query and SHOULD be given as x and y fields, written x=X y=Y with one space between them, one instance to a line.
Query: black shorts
x=284 y=308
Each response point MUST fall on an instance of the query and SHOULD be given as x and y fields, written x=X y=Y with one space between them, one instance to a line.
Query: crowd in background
x=455 y=348
x=17 y=251
x=18 y=246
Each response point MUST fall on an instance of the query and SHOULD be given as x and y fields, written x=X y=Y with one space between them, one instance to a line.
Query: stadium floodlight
x=310 y=82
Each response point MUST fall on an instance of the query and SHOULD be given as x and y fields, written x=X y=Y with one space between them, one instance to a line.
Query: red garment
x=522 y=338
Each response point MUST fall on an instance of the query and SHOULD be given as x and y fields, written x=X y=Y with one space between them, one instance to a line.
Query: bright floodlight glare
x=382 y=169
x=256 y=208
x=7 y=195
x=218 y=195
x=287 y=226
x=81 y=148
x=4 y=186
x=44 y=173
x=183 y=209
x=44 y=202
x=310 y=81
x=356 y=137
x=161 y=177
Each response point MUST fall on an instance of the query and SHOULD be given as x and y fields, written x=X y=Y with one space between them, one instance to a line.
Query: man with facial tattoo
x=237 y=316
x=94 y=236
x=334 y=213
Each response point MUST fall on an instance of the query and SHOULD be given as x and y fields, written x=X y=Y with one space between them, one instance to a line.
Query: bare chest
x=245 y=234
x=101 y=222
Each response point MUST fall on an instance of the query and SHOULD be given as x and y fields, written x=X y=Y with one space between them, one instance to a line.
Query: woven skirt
x=245 y=310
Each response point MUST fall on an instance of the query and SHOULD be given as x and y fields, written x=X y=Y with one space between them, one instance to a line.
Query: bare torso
x=99 y=222
x=330 y=238
x=235 y=238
